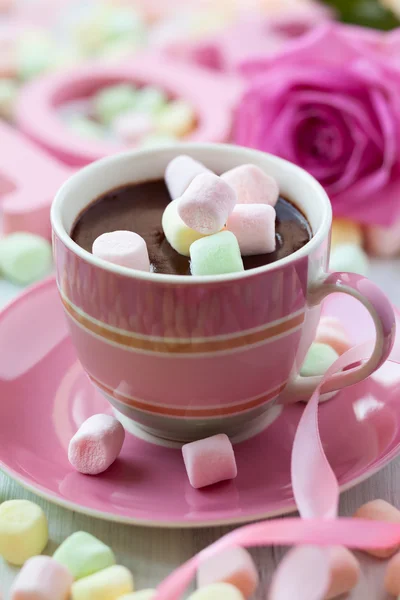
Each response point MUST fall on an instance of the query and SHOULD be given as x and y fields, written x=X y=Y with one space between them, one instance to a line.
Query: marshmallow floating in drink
x=179 y=235
x=42 y=578
x=216 y=255
x=234 y=566
x=254 y=228
x=206 y=203
x=23 y=531
x=209 y=461
x=123 y=248
x=96 y=444
x=252 y=185
x=83 y=555
x=180 y=172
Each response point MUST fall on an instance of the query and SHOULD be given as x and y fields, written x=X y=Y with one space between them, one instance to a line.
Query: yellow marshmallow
x=179 y=235
x=108 y=584
x=177 y=118
x=346 y=232
x=217 y=591
x=142 y=595
x=23 y=531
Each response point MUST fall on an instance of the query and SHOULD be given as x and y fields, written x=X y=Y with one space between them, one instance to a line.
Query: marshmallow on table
x=330 y=331
x=108 y=584
x=349 y=257
x=114 y=100
x=206 y=203
x=234 y=566
x=209 y=461
x=217 y=591
x=346 y=232
x=8 y=98
x=344 y=572
x=179 y=235
x=254 y=228
x=96 y=444
x=392 y=576
x=23 y=531
x=177 y=118
x=83 y=554
x=148 y=594
x=25 y=257
x=131 y=127
x=252 y=185
x=150 y=100
x=180 y=172
x=123 y=248
x=379 y=510
x=216 y=255
x=42 y=578
x=383 y=241
x=318 y=360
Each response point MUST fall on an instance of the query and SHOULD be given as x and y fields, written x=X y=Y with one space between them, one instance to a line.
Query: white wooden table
x=151 y=554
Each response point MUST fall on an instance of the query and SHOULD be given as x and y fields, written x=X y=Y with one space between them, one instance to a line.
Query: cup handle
x=381 y=311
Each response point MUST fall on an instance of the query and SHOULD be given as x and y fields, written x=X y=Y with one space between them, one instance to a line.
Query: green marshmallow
x=24 y=257
x=318 y=360
x=36 y=53
x=156 y=140
x=150 y=99
x=114 y=100
x=216 y=254
x=83 y=555
x=8 y=98
x=349 y=258
x=86 y=128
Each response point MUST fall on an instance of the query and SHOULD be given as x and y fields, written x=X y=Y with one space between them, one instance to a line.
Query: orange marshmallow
x=234 y=566
x=330 y=331
x=345 y=572
x=379 y=510
x=392 y=576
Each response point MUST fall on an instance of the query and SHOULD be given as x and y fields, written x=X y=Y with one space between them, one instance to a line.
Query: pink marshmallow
x=234 y=566
x=209 y=461
x=133 y=126
x=207 y=203
x=254 y=228
x=96 y=444
x=383 y=241
x=252 y=185
x=344 y=572
x=124 y=248
x=330 y=331
x=180 y=173
x=42 y=578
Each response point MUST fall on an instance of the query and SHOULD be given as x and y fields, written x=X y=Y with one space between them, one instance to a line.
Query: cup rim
x=93 y=168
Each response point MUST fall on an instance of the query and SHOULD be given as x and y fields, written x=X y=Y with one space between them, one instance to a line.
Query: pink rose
x=330 y=102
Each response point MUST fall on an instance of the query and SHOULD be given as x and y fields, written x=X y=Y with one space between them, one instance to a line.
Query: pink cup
x=186 y=357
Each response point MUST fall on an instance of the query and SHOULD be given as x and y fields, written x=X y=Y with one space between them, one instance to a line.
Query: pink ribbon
x=316 y=492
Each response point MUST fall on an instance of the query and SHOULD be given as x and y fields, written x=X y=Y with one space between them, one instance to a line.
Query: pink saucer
x=46 y=396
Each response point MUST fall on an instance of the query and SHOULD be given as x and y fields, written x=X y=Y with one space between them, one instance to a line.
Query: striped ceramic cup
x=185 y=357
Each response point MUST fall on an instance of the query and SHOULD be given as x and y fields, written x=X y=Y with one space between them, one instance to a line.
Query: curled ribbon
x=316 y=492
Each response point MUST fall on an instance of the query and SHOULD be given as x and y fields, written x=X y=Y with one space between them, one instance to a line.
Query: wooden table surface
x=152 y=553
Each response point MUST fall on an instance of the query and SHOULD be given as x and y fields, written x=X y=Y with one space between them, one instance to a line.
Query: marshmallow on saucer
x=176 y=118
x=209 y=460
x=96 y=444
x=180 y=172
x=179 y=235
x=379 y=510
x=234 y=566
x=131 y=127
x=254 y=228
x=206 y=203
x=318 y=360
x=216 y=255
x=330 y=331
x=42 y=578
x=113 y=101
x=150 y=99
x=252 y=185
x=124 y=248
x=23 y=531
x=83 y=554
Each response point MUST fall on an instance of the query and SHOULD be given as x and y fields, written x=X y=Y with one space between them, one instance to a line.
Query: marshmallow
x=349 y=258
x=157 y=140
x=206 y=203
x=123 y=248
x=96 y=444
x=23 y=531
x=254 y=228
x=42 y=578
x=344 y=572
x=209 y=460
x=383 y=241
x=142 y=595
x=25 y=257
x=83 y=555
x=8 y=98
x=217 y=591
x=114 y=100
x=252 y=185
x=330 y=331
x=234 y=566
x=132 y=126
x=379 y=510
x=392 y=576
x=150 y=100
x=177 y=118
x=318 y=360
x=215 y=255
x=346 y=232
x=108 y=584
x=85 y=127
x=180 y=172
x=36 y=53
x=179 y=235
